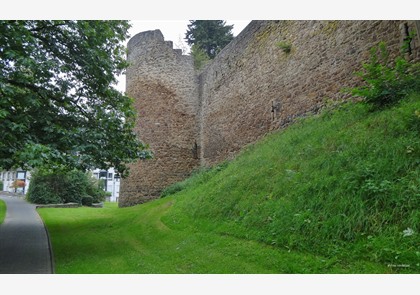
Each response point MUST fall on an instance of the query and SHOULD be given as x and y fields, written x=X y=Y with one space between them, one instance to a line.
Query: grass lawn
x=2 y=211
x=134 y=240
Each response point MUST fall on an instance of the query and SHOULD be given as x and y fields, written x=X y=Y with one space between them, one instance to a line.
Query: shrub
x=44 y=189
x=98 y=195
x=87 y=201
x=385 y=82
x=63 y=187
x=95 y=189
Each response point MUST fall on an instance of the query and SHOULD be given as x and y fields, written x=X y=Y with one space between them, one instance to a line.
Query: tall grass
x=345 y=184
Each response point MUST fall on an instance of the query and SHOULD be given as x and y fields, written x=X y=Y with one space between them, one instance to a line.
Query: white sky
x=172 y=31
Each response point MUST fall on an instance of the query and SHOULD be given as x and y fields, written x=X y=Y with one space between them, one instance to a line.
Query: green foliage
x=45 y=189
x=386 y=82
x=209 y=35
x=95 y=189
x=286 y=47
x=200 y=57
x=58 y=106
x=1 y=185
x=63 y=187
x=87 y=201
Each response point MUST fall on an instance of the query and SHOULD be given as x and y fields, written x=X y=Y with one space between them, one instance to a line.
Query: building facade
x=111 y=182
x=15 y=181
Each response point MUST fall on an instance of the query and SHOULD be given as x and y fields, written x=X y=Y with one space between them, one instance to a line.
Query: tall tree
x=209 y=35
x=58 y=106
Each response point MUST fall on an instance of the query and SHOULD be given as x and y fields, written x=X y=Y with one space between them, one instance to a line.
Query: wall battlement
x=192 y=119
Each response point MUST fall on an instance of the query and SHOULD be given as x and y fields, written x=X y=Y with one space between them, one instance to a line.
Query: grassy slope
x=2 y=211
x=344 y=184
x=331 y=194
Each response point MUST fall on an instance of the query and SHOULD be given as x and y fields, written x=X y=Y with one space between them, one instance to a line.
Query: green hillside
x=338 y=192
x=343 y=184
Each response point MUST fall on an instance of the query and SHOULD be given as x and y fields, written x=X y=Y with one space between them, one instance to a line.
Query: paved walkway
x=24 y=243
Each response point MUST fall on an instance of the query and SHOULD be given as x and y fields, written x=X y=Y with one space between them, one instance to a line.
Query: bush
x=44 y=189
x=99 y=195
x=385 y=82
x=63 y=187
x=87 y=201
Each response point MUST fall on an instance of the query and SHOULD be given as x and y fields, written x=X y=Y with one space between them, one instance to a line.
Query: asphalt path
x=24 y=242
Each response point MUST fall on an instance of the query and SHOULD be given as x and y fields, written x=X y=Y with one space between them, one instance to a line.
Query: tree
x=58 y=106
x=209 y=35
x=200 y=57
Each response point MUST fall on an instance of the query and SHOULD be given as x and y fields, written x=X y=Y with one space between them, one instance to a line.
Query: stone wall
x=252 y=87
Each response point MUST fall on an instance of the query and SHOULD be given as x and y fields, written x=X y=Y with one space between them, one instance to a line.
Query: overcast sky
x=172 y=31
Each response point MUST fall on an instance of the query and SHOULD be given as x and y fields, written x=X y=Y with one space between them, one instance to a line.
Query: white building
x=11 y=178
x=112 y=182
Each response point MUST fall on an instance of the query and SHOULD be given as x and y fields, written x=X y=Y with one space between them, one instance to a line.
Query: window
x=21 y=175
x=117 y=177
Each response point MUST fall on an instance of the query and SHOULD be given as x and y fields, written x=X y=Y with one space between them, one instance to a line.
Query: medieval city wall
x=253 y=86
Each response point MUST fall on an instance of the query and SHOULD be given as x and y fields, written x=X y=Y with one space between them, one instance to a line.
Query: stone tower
x=164 y=85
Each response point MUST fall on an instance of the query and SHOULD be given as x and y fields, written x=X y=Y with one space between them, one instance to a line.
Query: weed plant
x=386 y=82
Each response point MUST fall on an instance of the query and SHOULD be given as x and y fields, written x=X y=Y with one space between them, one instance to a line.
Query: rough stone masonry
x=255 y=85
